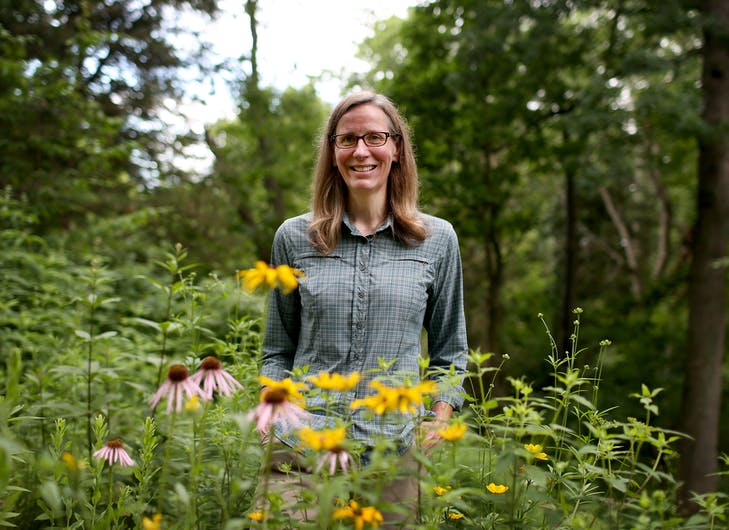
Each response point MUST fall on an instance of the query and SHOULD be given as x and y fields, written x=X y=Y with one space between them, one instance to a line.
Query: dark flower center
x=210 y=363
x=275 y=396
x=177 y=373
x=114 y=443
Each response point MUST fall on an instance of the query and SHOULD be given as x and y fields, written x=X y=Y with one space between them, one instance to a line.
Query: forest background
x=580 y=148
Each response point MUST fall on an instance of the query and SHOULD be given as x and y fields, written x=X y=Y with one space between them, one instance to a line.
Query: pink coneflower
x=212 y=377
x=280 y=401
x=175 y=387
x=333 y=458
x=330 y=442
x=114 y=452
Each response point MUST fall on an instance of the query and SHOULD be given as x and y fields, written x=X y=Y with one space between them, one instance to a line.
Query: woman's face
x=366 y=169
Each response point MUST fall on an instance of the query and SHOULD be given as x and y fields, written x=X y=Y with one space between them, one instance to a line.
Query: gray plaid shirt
x=363 y=308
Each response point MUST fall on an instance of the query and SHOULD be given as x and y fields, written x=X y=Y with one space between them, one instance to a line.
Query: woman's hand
x=429 y=429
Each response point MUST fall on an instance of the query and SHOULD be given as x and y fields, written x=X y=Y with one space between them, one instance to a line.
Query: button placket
x=359 y=313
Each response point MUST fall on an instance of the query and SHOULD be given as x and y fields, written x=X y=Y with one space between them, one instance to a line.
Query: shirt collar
x=355 y=231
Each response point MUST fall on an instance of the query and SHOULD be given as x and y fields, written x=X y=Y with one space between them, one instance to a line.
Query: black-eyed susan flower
x=288 y=278
x=359 y=515
x=440 y=490
x=175 y=388
x=403 y=399
x=454 y=432
x=212 y=378
x=455 y=516
x=330 y=442
x=334 y=381
x=282 y=276
x=152 y=523
x=497 y=489
x=72 y=463
x=113 y=452
x=536 y=451
x=323 y=440
x=280 y=401
x=192 y=404
x=258 y=515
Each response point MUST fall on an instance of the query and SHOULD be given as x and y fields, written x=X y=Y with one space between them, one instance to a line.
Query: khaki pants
x=290 y=478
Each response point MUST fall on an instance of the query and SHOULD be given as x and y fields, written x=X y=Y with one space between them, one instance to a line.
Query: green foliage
x=85 y=345
x=79 y=104
x=264 y=161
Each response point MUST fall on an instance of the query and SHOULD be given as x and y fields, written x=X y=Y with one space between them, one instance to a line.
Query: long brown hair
x=329 y=194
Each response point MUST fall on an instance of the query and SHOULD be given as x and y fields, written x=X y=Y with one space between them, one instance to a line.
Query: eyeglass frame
x=358 y=137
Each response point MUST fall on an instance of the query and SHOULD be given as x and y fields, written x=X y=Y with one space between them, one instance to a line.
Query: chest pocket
x=324 y=286
x=402 y=285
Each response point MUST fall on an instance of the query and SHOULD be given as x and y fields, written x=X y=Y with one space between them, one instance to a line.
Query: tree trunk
x=707 y=312
x=257 y=113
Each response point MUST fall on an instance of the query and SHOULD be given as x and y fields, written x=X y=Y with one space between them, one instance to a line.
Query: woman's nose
x=360 y=148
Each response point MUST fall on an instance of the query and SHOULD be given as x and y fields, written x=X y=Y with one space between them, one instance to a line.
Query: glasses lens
x=345 y=140
x=371 y=139
x=375 y=139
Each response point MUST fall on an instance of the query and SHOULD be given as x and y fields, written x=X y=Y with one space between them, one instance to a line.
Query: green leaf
x=82 y=334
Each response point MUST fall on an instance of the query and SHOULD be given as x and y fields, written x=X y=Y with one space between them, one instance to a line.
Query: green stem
x=266 y=474
x=197 y=458
x=111 y=488
x=166 y=463
x=89 y=358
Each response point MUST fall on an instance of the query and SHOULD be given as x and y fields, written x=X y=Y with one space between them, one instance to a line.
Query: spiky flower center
x=177 y=373
x=114 y=443
x=210 y=363
x=276 y=396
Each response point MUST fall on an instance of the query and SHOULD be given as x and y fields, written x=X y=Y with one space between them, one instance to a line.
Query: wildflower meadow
x=131 y=399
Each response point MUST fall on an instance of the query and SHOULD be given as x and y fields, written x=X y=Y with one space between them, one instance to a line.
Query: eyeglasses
x=371 y=139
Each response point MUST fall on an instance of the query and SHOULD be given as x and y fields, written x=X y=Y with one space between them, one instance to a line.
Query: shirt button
x=361 y=293
x=362 y=266
x=360 y=325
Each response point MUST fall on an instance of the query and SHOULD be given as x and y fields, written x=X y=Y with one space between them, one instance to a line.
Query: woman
x=377 y=272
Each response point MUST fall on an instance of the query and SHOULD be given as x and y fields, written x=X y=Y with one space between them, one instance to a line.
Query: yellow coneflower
x=360 y=515
x=259 y=515
x=152 y=523
x=440 y=490
x=403 y=399
x=282 y=276
x=340 y=382
x=536 y=451
x=497 y=489
x=453 y=432
x=324 y=440
x=192 y=404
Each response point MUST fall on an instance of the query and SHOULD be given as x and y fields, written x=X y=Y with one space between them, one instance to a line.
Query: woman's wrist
x=442 y=411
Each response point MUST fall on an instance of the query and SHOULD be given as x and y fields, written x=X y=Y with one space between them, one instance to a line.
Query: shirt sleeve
x=283 y=319
x=445 y=323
